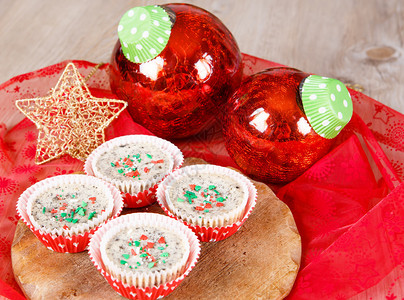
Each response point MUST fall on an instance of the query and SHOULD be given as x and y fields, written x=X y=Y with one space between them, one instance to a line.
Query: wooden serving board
x=260 y=261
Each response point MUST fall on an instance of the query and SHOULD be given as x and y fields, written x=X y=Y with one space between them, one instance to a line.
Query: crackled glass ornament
x=280 y=121
x=175 y=65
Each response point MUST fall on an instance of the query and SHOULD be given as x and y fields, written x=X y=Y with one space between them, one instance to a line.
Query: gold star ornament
x=69 y=120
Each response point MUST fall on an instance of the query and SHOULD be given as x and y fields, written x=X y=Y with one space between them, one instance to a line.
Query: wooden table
x=355 y=41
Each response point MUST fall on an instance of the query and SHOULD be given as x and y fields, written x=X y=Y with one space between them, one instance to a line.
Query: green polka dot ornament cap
x=144 y=32
x=327 y=105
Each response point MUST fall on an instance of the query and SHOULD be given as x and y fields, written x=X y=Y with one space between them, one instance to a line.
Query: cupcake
x=63 y=211
x=144 y=255
x=214 y=201
x=135 y=164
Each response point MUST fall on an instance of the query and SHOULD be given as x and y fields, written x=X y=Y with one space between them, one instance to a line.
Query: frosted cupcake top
x=69 y=205
x=206 y=194
x=140 y=161
x=146 y=249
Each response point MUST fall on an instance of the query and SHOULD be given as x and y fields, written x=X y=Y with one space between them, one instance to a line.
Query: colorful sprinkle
x=198 y=188
x=151 y=265
x=164 y=254
x=149 y=156
x=125 y=256
x=150 y=245
x=211 y=187
x=43 y=209
x=83 y=204
x=123 y=262
x=161 y=240
x=143 y=237
x=180 y=199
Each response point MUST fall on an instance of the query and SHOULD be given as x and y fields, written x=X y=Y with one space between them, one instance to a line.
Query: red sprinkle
x=92 y=199
x=54 y=211
x=133 y=251
x=153 y=259
x=62 y=208
x=157 y=161
x=146 y=170
x=199 y=208
x=208 y=205
x=103 y=210
x=219 y=204
x=117 y=164
x=150 y=245
x=192 y=186
x=132 y=173
x=143 y=237
x=162 y=240
x=64 y=204
x=65 y=227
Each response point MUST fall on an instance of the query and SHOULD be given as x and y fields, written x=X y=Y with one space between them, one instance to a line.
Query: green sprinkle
x=69 y=220
x=139 y=160
x=216 y=192
x=143 y=255
x=138 y=263
x=151 y=265
x=123 y=262
x=197 y=188
x=205 y=190
x=180 y=199
x=206 y=210
x=220 y=199
x=43 y=209
x=149 y=156
x=164 y=254
x=137 y=155
x=137 y=243
x=120 y=171
x=75 y=220
x=72 y=214
x=164 y=261
x=112 y=165
x=83 y=204
x=125 y=256
x=73 y=196
x=211 y=187
x=82 y=211
x=92 y=216
x=130 y=267
x=206 y=201
x=63 y=215
x=160 y=248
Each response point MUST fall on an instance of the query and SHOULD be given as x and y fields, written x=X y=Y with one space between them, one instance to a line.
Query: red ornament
x=181 y=91
x=266 y=130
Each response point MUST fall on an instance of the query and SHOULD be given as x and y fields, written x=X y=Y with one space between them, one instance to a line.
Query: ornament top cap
x=327 y=104
x=144 y=32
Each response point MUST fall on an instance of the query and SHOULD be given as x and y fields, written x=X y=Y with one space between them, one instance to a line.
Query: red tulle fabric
x=348 y=207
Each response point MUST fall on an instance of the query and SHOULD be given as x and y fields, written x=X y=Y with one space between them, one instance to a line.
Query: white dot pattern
x=325 y=104
x=144 y=32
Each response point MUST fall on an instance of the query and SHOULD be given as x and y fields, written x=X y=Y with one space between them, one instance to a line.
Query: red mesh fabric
x=348 y=207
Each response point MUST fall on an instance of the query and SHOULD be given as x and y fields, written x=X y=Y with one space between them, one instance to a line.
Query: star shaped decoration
x=69 y=120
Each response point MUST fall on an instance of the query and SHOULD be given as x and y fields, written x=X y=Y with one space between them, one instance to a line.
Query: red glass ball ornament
x=266 y=130
x=180 y=92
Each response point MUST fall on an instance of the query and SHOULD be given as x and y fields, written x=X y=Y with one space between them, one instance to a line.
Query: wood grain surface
x=260 y=261
x=357 y=41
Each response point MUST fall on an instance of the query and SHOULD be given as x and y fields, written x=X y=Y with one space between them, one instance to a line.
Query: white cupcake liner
x=124 y=282
x=214 y=228
x=77 y=238
x=136 y=193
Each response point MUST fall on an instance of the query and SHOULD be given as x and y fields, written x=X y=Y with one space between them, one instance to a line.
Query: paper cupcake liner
x=131 y=291
x=228 y=224
x=134 y=191
x=141 y=199
x=72 y=240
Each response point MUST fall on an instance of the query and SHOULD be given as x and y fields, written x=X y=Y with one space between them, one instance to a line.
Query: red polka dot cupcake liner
x=224 y=229
x=141 y=199
x=67 y=240
x=149 y=292
x=142 y=193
